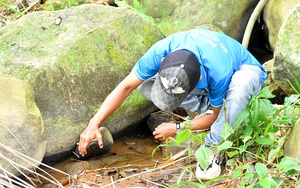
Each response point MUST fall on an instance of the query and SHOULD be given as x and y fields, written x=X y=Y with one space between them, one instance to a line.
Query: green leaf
x=223 y=146
x=241 y=117
x=231 y=162
x=267 y=107
x=227 y=131
x=247 y=138
x=261 y=170
x=182 y=136
x=265 y=93
x=283 y=120
x=291 y=99
x=288 y=163
x=272 y=153
x=245 y=166
x=232 y=153
x=199 y=138
x=247 y=131
x=267 y=182
x=263 y=141
x=202 y=155
x=170 y=142
x=136 y=5
x=248 y=175
x=122 y=4
x=237 y=173
x=254 y=115
x=182 y=174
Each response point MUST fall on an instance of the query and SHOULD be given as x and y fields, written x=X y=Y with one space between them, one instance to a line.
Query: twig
x=174 y=157
x=32 y=162
x=225 y=110
x=88 y=32
x=259 y=7
x=15 y=138
x=119 y=167
x=159 y=185
x=179 y=116
x=28 y=8
x=112 y=181
x=138 y=174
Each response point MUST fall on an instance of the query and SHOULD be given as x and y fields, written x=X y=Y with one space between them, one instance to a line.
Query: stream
x=129 y=154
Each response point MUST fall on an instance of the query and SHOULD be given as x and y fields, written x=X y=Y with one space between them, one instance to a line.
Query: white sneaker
x=213 y=170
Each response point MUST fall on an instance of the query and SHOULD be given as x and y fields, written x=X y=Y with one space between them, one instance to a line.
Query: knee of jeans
x=243 y=86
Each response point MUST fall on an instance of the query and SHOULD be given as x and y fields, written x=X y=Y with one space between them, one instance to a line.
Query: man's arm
x=168 y=129
x=110 y=104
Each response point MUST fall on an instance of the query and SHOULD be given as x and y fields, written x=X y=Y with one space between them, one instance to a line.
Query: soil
x=129 y=163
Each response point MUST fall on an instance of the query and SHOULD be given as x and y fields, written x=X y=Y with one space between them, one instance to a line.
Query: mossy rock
x=73 y=59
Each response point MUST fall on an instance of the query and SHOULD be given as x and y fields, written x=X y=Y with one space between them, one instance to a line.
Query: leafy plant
x=254 y=145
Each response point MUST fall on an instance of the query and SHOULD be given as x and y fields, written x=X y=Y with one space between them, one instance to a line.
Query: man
x=182 y=70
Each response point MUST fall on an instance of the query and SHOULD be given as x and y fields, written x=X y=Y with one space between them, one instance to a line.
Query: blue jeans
x=244 y=84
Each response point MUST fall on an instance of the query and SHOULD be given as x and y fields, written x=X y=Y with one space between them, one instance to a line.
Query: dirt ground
x=129 y=164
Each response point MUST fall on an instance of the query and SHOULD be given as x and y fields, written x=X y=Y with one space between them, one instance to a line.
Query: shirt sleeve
x=148 y=65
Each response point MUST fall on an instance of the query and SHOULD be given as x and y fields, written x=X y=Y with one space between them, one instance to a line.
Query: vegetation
x=253 y=147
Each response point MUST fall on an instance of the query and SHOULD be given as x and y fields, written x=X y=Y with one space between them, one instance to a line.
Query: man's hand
x=165 y=130
x=89 y=134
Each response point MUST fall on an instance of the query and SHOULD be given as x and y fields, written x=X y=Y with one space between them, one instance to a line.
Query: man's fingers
x=100 y=143
x=82 y=147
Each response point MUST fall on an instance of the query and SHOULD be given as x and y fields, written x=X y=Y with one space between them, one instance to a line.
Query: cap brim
x=163 y=100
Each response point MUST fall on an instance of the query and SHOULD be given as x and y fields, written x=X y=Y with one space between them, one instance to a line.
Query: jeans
x=244 y=84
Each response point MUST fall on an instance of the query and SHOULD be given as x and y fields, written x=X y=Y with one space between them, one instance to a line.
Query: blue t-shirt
x=220 y=56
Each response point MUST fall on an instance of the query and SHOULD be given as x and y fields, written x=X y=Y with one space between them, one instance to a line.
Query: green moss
x=116 y=57
x=60 y=121
x=133 y=100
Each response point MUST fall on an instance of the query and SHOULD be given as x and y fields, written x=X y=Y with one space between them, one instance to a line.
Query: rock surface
x=73 y=59
x=292 y=144
x=21 y=124
x=287 y=53
x=275 y=12
x=176 y=15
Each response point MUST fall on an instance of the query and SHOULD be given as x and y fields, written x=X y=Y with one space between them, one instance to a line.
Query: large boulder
x=287 y=53
x=292 y=144
x=275 y=12
x=21 y=124
x=73 y=59
x=176 y=15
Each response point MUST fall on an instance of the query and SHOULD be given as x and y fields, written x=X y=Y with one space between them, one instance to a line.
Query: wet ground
x=129 y=163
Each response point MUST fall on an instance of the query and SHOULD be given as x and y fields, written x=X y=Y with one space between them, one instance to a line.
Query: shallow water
x=129 y=153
